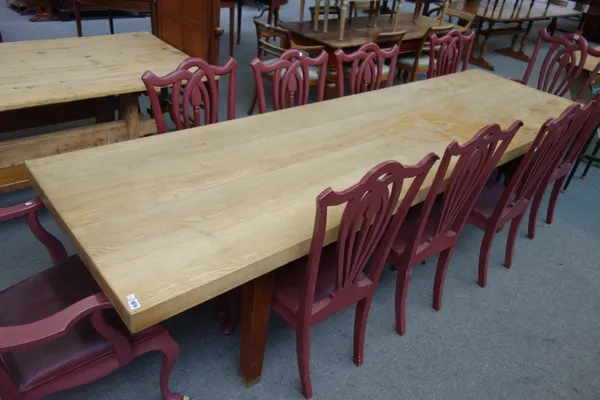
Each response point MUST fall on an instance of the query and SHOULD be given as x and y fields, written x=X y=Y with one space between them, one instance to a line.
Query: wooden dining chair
x=435 y=226
x=289 y=86
x=366 y=68
x=498 y=204
x=450 y=52
x=272 y=43
x=334 y=277
x=562 y=66
x=567 y=160
x=412 y=64
x=194 y=94
x=58 y=330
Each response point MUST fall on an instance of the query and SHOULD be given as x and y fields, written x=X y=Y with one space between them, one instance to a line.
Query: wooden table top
x=513 y=11
x=357 y=33
x=179 y=218
x=40 y=72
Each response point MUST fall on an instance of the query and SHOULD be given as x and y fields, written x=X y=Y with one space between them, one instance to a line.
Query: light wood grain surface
x=180 y=218
x=40 y=72
x=590 y=62
x=357 y=33
x=514 y=11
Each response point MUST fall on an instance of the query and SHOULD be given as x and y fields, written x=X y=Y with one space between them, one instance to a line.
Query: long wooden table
x=44 y=82
x=177 y=219
x=358 y=33
x=512 y=17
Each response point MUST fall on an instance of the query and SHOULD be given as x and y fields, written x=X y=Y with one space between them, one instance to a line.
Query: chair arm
x=20 y=210
x=19 y=336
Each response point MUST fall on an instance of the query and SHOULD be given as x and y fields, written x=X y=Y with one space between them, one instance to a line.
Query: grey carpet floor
x=533 y=333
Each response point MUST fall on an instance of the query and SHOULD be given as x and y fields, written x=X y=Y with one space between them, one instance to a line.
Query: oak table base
x=15 y=152
x=256 y=311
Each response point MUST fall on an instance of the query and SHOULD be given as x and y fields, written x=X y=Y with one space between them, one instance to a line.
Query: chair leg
x=484 y=255
x=239 y=21
x=440 y=278
x=571 y=174
x=170 y=349
x=111 y=23
x=251 y=110
x=360 y=328
x=401 y=293
x=231 y=29
x=512 y=239
x=590 y=161
x=303 y=355
x=553 y=200
x=533 y=213
x=53 y=245
x=228 y=313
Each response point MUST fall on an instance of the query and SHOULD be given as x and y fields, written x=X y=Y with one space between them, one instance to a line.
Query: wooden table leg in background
x=480 y=60
x=256 y=310
x=331 y=78
x=129 y=111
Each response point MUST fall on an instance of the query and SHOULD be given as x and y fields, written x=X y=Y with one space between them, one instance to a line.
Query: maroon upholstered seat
x=288 y=292
x=39 y=297
x=58 y=330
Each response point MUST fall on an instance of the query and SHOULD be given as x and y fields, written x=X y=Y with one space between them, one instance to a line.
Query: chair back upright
x=562 y=66
x=190 y=93
x=449 y=52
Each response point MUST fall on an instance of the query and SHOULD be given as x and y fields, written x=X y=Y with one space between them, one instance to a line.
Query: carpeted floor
x=533 y=333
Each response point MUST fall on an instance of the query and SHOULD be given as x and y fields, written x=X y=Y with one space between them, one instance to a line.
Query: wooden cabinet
x=191 y=26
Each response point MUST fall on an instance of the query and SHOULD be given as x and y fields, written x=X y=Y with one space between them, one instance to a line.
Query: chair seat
x=313 y=72
x=41 y=296
x=488 y=200
x=409 y=60
x=290 y=278
x=385 y=70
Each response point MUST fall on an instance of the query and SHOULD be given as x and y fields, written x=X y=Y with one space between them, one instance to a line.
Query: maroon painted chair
x=366 y=68
x=434 y=227
x=561 y=67
x=334 y=277
x=499 y=205
x=566 y=164
x=58 y=330
x=193 y=88
x=450 y=50
x=287 y=74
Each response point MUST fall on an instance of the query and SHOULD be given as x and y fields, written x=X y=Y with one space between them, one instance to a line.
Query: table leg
x=552 y=26
x=342 y=19
x=256 y=310
x=129 y=111
x=480 y=60
x=519 y=54
x=331 y=78
x=239 y=21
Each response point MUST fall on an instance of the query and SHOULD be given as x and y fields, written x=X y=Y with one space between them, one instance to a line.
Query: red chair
x=435 y=226
x=193 y=88
x=566 y=162
x=287 y=73
x=369 y=66
x=332 y=278
x=499 y=205
x=562 y=66
x=58 y=330
x=450 y=50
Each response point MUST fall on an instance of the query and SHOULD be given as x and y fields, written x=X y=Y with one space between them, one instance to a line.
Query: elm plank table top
x=513 y=10
x=357 y=33
x=179 y=218
x=40 y=72
x=591 y=62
